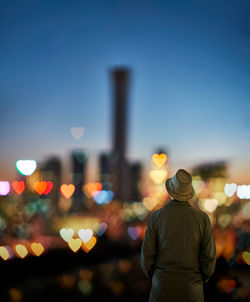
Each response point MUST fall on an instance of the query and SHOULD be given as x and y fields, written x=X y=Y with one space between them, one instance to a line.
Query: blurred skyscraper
x=79 y=160
x=119 y=166
x=116 y=173
x=52 y=171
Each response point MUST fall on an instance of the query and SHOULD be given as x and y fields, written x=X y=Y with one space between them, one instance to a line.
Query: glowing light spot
x=18 y=186
x=67 y=190
x=21 y=250
x=89 y=245
x=230 y=189
x=91 y=187
x=85 y=235
x=246 y=257
x=103 y=196
x=77 y=132
x=134 y=232
x=4 y=253
x=210 y=205
x=74 y=244
x=158 y=176
x=26 y=167
x=159 y=159
x=243 y=192
x=37 y=248
x=4 y=188
x=66 y=234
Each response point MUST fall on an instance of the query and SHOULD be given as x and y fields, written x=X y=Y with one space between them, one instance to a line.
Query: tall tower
x=120 y=168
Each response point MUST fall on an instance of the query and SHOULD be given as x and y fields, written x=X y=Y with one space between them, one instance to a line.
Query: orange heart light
x=246 y=257
x=75 y=244
x=21 y=250
x=67 y=190
x=4 y=253
x=159 y=159
x=40 y=186
x=158 y=176
x=89 y=245
x=92 y=187
x=37 y=248
x=18 y=186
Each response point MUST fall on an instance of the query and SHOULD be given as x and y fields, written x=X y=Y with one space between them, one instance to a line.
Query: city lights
x=77 y=132
x=26 y=167
x=66 y=234
x=67 y=190
x=4 y=188
x=85 y=235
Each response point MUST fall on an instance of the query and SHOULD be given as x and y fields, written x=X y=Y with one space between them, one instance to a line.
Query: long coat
x=178 y=253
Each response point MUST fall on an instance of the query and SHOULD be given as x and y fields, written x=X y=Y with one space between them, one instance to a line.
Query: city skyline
x=190 y=84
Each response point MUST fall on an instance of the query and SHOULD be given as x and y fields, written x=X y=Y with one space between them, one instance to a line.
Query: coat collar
x=178 y=202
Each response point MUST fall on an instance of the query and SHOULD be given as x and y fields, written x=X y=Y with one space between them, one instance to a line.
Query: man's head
x=180 y=186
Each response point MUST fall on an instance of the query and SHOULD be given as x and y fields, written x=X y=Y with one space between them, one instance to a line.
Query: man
x=178 y=253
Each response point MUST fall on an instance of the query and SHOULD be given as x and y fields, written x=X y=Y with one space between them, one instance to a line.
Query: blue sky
x=190 y=85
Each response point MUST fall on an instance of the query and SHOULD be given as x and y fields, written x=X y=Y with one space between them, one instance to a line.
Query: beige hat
x=180 y=186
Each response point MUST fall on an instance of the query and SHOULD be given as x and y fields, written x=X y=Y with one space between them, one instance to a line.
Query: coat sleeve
x=207 y=251
x=149 y=248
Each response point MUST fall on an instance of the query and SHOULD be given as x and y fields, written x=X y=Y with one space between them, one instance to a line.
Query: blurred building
x=116 y=173
x=52 y=171
x=135 y=179
x=119 y=166
x=207 y=171
x=79 y=160
x=105 y=171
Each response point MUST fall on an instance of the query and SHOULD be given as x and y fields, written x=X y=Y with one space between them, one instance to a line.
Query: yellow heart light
x=4 y=253
x=158 y=176
x=159 y=159
x=37 y=248
x=89 y=245
x=246 y=257
x=75 y=244
x=21 y=250
x=67 y=190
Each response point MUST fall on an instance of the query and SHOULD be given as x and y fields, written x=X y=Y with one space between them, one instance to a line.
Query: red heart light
x=18 y=186
x=48 y=188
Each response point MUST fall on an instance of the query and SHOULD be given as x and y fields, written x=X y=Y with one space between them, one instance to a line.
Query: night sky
x=190 y=86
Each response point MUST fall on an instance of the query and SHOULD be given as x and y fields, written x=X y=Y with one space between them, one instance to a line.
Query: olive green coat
x=178 y=253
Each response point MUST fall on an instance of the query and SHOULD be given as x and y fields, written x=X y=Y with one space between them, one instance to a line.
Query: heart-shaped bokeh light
x=75 y=244
x=67 y=190
x=4 y=253
x=85 y=235
x=21 y=250
x=103 y=196
x=66 y=234
x=18 y=186
x=89 y=245
x=230 y=189
x=158 y=176
x=37 y=248
x=91 y=187
x=26 y=167
x=77 y=132
x=159 y=159
x=134 y=232
x=4 y=188
x=246 y=257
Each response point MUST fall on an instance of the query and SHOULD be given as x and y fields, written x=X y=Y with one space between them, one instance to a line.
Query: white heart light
x=85 y=235
x=26 y=167
x=66 y=234
x=230 y=189
x=77 y=132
